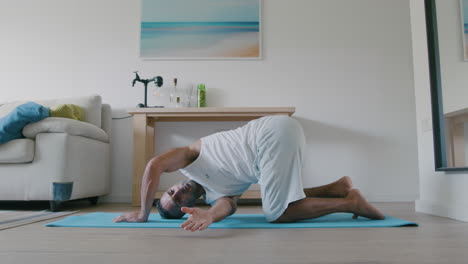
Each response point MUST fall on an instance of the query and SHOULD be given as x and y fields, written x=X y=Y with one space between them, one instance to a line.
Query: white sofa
x=60 y=159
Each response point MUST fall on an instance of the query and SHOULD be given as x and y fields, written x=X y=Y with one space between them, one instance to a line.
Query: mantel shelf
x=214 y=110
x=211 y=113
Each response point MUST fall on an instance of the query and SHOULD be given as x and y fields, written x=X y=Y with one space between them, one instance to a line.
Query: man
x=220 y=167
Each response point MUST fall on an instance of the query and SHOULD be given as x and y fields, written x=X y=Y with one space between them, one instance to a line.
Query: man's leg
x=338 y=189
x=309 y=208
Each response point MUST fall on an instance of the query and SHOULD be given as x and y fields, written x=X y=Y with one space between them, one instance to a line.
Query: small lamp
x=158 y=81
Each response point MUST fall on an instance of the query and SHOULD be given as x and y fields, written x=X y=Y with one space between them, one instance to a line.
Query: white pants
x=280 y=152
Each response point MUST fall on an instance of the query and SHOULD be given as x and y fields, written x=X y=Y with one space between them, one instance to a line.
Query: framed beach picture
x=464 y=16
x=200 y=29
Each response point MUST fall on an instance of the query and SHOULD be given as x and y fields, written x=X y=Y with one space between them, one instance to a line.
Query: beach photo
x=464 y=8
x=200 y=29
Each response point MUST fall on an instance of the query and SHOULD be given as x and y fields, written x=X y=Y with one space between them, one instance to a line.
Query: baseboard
x=255 y=194
x=247 y=197
x=251 y=194
x=115 y=199
x=391 y=198
x=455 y=211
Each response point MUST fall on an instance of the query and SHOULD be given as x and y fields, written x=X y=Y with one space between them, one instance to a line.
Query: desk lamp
x=158 y=81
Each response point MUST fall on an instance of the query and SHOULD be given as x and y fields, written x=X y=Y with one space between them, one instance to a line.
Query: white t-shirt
x=268 y=151
x=227 y=161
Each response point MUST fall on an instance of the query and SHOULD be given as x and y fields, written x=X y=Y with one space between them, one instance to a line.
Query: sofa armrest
x=65 y=125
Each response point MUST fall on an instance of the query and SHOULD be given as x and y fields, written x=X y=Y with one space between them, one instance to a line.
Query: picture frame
x=201 y=30
x=464 y=27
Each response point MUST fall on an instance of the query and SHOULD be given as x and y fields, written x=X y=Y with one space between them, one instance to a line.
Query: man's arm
x=169 y=161
x=224 y=207
x=200 y=219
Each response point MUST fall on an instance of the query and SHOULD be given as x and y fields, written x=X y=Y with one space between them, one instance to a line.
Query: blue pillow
x=11 y=125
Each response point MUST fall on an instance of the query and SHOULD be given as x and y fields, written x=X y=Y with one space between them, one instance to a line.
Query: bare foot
x=343 y=186
x=360 y=207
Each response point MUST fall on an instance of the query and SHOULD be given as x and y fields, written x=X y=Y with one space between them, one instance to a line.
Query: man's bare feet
x=360 y=207
x=336 y=189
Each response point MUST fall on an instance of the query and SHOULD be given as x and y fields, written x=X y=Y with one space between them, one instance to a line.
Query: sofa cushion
x=65 y=125
x=90 y=104
x=17 y=151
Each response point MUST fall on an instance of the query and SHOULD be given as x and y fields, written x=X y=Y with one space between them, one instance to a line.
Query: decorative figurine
x=158 y=81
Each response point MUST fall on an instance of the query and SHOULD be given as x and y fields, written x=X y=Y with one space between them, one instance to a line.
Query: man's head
x=182 y=194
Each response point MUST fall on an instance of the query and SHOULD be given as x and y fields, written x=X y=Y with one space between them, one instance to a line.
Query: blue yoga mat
x=336 y=220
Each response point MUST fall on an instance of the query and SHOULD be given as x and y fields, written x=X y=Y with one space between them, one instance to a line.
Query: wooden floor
x=437 y=240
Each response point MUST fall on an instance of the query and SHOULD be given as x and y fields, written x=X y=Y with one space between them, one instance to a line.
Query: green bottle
x=201 y=95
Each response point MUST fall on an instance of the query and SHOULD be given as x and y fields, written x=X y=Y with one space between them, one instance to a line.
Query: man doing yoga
x=220 y=167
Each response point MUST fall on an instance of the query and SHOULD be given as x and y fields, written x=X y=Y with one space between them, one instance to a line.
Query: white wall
x=346 y=66
x=443 y=194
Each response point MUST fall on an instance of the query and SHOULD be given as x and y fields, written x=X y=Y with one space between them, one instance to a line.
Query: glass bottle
x=162 y=95
x=190 y=96
x=174 y=98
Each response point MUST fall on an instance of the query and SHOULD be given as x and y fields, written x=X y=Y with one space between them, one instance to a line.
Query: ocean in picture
x=466 y=40
x=465 y=23
x=200 y=29
x=200 y=39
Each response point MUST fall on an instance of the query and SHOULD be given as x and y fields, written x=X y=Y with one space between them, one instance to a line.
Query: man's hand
x=133 y=217
x=199 y=219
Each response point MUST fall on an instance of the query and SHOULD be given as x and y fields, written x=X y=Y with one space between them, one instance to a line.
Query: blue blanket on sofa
x=11 y=125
